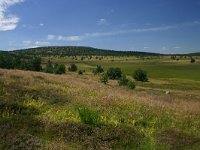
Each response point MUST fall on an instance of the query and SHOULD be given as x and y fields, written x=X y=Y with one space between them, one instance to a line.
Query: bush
x=114 y=73
x=89 y=116
x=123 y=80
x=131 y=85
x=98 y=69
x=192 y=60
x=140 y=75
x=80 y=72
x=59 y=69
x=73 y=68
x=49 y=67
x=104 y=79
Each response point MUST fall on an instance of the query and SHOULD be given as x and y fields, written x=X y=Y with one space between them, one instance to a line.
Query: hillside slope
x=44 y=111
x=78 y=51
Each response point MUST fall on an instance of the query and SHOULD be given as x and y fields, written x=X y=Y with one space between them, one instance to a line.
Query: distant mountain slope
x=78 y=51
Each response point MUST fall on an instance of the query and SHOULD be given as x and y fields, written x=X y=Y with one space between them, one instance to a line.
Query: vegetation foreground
x=71 y=111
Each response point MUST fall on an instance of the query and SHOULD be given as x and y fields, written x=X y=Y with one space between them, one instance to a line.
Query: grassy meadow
x=71 y=111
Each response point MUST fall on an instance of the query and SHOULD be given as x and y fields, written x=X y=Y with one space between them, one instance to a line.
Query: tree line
x=13 y=61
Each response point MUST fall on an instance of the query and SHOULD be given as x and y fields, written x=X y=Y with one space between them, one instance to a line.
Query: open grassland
x=164 y=73
x=46 y=111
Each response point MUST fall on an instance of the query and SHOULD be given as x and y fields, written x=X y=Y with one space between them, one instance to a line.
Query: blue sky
x=164 y=26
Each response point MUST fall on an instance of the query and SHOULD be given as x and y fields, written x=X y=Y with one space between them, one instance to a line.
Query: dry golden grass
x=55 y=98
x=111 y=94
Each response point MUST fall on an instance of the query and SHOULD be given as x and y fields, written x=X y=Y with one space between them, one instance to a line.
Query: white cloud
x=69 y=38
x=27 y=42
x=177 y=47
x=51 y=37
x=146 y=47
x=8 y=22
x=41 y=24
x=102 y=21
x=120 y=32
x=39 y=43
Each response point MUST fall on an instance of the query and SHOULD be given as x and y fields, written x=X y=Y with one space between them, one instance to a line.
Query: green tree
x=73 y=68
x=98 y=69
x=140 y=75
x=114 y=73
x=49 y=67
x=123 y=80
x=60 y=69
x=104 y=79
x=192 y=60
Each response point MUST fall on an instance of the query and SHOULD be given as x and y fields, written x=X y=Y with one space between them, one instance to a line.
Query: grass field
x=71 y=111
x=164 y=73
x=45 y=111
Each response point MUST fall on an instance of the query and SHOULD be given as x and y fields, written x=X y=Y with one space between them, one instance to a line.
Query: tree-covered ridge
x=78 y=51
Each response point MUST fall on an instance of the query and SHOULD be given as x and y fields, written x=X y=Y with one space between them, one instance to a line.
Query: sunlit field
x=72 y=111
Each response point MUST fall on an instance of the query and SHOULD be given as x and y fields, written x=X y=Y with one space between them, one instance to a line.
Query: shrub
x=123 y=80
x=59 y=69
x=104 y=79
x=140 y=75
x=49 y=67
x=98 y=69
x=114 y=73
x=89 y=116
x=73 y=68
x=192 y=60
x=80 y=72
x=131 y=85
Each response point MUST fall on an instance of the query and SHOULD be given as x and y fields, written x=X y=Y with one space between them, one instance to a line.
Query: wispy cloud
x=70 y=38
x=102 y=21
x=8 y=22
x=146 y=47
x=177 y=47
x=31 y=44
x=119 y=32
x=51 y=37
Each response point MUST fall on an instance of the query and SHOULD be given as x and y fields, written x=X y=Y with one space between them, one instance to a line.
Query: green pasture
x=181 y=74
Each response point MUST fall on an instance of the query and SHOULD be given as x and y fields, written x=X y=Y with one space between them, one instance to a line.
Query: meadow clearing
x=72 y=111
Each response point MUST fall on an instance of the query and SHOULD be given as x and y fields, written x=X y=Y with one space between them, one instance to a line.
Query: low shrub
x=104 y=79
x=140 y=75
x=89 y=116
x=123 y=81
x=73 y=68
x=114 y=73
x=192 y=60
x=59 y=69
x=80 y=72
x=98 y=70
x=131 y=85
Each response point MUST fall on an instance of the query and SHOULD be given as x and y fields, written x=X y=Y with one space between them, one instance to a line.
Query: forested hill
x=78 y=51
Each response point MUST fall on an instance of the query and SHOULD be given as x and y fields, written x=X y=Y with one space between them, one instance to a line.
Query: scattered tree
x=59 y=69
x=73 y=68
x=114 y=73
x=140 y=75
x=98 y=70
x=123 y=80
x=49 y=67
x=192 y=60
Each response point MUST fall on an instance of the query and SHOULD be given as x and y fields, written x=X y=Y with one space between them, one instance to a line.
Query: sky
x=163 y=26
